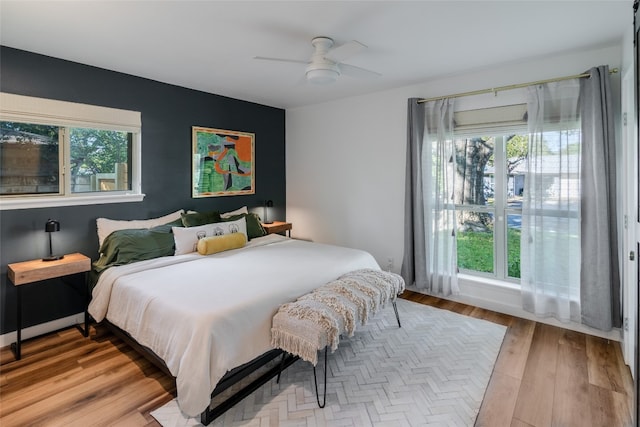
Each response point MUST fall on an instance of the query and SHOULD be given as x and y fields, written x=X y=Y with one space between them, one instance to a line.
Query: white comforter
x=204 y=315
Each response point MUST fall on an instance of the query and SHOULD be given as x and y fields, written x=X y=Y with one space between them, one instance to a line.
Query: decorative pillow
x=254 y=226
x=215 y=244
x=242 y=210
x=107 y=226
x=194 y=219
x=186 y=239
x=131 y=245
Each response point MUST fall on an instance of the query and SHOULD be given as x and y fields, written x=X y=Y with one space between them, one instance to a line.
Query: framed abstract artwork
x=223 y=162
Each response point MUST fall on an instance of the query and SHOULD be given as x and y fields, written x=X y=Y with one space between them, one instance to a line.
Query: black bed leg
x=395 y=308
x=243 y=372
x=284 y=355
x=315 y=380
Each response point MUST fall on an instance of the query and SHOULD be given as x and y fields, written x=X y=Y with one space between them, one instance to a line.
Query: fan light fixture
x=322 y=76
x=326 y=63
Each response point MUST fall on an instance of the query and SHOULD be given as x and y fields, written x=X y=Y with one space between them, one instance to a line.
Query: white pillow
x=242 y=210
x=107 y=226
x=186 y=238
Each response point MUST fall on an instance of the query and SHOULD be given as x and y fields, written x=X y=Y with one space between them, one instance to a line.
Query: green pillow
x=200 y=218
x=167 y=227
x=254 y=226
x=132 y=245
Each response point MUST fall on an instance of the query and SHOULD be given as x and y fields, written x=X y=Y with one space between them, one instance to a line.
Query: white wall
x=631 y=235
x=346 y=159
x=345 y=173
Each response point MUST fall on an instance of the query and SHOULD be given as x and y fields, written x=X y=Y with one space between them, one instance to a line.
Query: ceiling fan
x=325 y=65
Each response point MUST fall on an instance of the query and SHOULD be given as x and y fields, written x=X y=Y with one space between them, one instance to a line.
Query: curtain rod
x=509 y=87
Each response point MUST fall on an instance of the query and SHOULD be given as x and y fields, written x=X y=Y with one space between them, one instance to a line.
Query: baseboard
x=505 y=298
x=43 y=328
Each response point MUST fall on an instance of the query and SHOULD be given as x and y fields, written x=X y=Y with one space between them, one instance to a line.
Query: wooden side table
x=278 y=227
x=23 y=273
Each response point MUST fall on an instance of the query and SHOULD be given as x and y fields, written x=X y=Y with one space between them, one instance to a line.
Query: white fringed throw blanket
x=317 y=319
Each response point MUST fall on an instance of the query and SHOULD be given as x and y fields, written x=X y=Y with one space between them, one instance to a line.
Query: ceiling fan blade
x=347 y=50
x=353 y=71
x=265 y=58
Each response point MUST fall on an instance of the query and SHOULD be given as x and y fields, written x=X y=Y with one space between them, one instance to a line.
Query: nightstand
x=24 y=273
x=278 y=227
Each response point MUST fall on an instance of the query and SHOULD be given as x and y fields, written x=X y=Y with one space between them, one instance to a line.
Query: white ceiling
x=210 y=45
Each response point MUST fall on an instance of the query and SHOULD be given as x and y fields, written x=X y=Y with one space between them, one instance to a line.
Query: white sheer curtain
x=550 y=239
x=430 y=255
x=438 y=162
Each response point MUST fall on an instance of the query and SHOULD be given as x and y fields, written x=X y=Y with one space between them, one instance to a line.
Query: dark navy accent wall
x=168 y=113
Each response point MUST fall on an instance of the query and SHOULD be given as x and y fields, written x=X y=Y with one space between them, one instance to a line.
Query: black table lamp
x=51 y=226
x=267 y=204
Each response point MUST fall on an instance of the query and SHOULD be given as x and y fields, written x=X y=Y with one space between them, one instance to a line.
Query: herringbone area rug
x=431 y=372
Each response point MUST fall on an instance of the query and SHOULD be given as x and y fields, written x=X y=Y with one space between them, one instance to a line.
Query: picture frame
x=223 y=162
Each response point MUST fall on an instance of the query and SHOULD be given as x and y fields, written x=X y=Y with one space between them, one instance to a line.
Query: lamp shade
x=52 y=225
x=267 y=204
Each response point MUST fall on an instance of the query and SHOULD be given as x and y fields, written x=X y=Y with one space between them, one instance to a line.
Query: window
x=55 y=153
x=488 y=187
x=30 y=159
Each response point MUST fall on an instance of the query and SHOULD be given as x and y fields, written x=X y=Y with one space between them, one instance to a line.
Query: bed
x=204 y=315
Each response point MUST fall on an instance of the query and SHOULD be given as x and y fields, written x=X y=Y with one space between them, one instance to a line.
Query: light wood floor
x=544 y=376
x=549 y=376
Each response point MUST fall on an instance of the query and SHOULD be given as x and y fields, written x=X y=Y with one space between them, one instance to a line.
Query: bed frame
x=249 y=377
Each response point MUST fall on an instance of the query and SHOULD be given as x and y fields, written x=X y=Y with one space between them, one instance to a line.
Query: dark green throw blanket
x=126 y=246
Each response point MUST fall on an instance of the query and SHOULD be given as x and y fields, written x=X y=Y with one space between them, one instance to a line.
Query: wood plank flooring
x=549 y=376
x=544 y=376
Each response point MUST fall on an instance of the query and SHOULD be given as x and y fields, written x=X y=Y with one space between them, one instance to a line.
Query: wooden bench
x=316 y=320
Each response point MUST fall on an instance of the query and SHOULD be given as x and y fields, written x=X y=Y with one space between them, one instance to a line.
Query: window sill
x=56 y=201
x=505 y=297
x=470 y=278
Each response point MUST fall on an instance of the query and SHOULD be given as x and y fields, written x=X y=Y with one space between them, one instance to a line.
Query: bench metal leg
x=315 y=381
x=395 y=308
x=315 y=375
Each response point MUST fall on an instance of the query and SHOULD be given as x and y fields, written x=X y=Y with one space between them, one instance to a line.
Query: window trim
x=32 y=202
x=28 y=109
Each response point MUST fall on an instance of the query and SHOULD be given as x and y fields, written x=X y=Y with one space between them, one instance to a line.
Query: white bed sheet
x=205 y=315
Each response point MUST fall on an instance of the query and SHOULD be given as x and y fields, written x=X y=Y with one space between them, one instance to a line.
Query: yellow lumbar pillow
x=215 y=244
